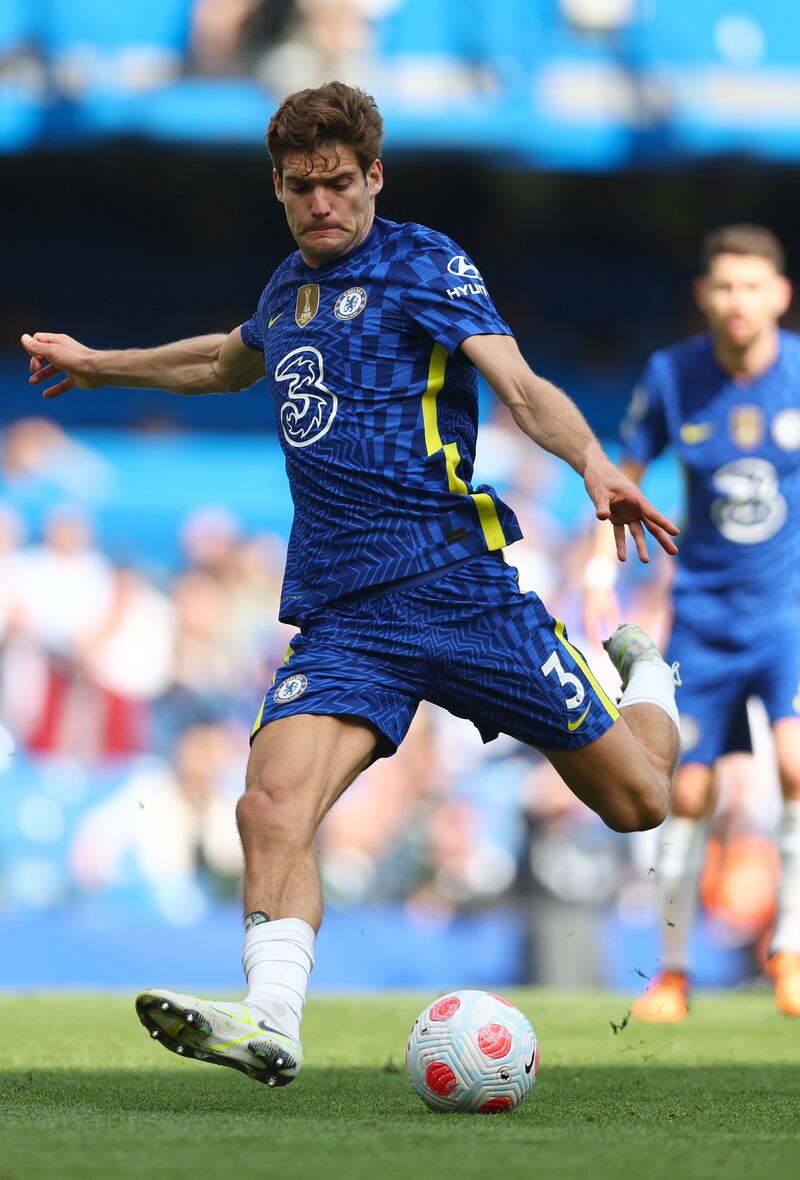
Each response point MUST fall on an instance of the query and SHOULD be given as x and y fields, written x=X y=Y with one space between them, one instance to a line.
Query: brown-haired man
x=371 y=335
x=729 y=404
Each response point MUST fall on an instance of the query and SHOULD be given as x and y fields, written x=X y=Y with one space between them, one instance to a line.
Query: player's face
x=330 y=209
x=742 y=297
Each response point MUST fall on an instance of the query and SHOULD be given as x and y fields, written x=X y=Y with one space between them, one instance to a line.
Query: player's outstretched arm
x=553 y=421
x=203 y=364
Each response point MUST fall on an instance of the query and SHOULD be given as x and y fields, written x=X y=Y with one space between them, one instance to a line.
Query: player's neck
x=751 y=360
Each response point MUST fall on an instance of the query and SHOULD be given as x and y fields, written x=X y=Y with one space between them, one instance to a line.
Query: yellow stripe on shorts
x=260 y=717
x=604 y=699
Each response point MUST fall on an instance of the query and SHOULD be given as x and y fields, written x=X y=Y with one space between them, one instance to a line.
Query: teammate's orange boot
x=666 y=1000
x=785 y=971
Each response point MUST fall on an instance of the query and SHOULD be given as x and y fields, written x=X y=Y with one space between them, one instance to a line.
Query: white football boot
x=630 y=643
x=222 y=1033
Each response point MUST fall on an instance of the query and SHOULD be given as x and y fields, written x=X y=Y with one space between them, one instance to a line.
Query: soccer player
x=728 y=402
x=371 y=335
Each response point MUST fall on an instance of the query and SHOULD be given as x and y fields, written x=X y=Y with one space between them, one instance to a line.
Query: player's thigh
x=304 y=762
x=776 y=680
x=614 y=776
x=712 y=697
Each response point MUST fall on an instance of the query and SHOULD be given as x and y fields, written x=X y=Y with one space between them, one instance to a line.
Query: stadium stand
x=529 y=129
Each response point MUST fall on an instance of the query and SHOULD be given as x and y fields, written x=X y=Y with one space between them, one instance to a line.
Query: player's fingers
x=637 y=532
x=664 y=539
x=619 y=540
x=651 y=515
x=56 y=390
x=41 y=374
x=29 y=344
x=603 y=508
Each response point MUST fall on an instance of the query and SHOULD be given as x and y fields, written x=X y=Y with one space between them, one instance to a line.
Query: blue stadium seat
x=100 y=54
x=109 y=27
x=729 y=73
x=21 y=84
x=709 y=32
x=19 y=24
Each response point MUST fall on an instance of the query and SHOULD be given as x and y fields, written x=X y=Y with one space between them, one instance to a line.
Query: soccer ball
x=472 y=1051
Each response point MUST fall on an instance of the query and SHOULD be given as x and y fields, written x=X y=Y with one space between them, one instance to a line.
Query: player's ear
x=375 y=177
x=783 y=294
x=277 y=180
x=699 y=289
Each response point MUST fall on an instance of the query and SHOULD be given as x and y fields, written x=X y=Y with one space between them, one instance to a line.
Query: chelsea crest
x=350 y=303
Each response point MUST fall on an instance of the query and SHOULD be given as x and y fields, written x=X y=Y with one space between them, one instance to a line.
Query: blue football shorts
x=729 y=649
x=468 y=640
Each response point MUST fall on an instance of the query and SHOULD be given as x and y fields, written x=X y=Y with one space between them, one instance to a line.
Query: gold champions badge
x=747 y=426
x=307 y=304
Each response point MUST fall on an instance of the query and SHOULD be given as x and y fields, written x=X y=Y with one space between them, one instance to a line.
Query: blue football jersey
x=376 y=410
x=739 y=446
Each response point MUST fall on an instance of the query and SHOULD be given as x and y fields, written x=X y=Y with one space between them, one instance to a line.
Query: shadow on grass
x=758 y=1097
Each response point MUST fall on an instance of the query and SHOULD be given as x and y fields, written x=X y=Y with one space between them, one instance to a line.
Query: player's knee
x=267 y=812
x=640 y=809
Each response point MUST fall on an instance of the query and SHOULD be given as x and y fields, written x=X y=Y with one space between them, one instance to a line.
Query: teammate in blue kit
x=729 y=404
x=371 y=336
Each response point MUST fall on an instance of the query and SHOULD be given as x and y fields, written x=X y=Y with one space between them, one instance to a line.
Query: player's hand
x=54 y=355
x=619 y=500
x=601 y=612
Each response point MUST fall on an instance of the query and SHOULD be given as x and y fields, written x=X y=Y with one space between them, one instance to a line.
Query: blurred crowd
x=283 y=44
x=149 y=679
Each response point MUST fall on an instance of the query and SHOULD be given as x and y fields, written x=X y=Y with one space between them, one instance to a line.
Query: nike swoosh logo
x=274 y=319
x=573 y=725
x=696 y=432
x=268 y=1028
x=529 y=1064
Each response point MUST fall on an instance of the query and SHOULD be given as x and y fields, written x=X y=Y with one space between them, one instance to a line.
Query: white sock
x=277 y=960
x=681 y=852
x=651 y=683
x=787 y=924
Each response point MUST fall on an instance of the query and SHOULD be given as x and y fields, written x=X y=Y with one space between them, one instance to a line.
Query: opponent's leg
x=784 y=964
x=626 y=775
x=299 y=766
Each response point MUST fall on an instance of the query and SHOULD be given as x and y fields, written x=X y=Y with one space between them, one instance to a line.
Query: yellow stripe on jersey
x=490 y=521
x=433 y=442
x=452 y=459
x=484 y=504
x=605 y=701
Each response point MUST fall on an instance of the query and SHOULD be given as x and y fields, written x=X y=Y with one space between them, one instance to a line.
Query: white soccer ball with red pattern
x=472 y=1051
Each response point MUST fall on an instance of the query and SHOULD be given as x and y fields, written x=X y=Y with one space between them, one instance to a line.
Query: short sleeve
x=447 y=297
x=644 y=427
x=251 y=334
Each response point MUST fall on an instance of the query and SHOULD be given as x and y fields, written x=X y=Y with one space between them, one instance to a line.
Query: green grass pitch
x=85 y=1095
